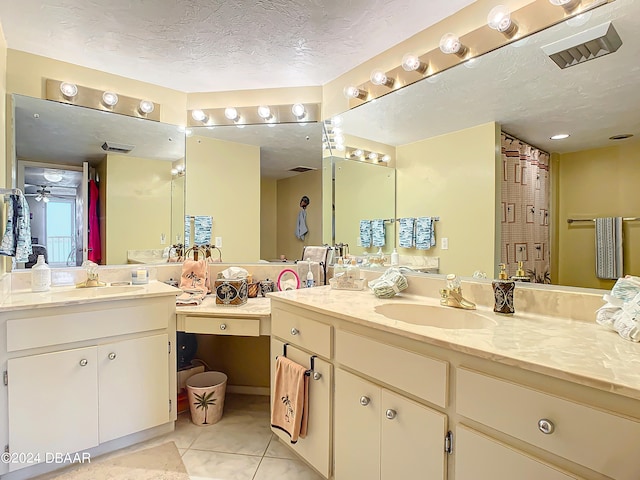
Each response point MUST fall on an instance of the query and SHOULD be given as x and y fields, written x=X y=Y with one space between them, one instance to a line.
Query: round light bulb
x=231 y=113
x=339 y=138
x=198 y=115
x=386 y=158
x=263 y=112
x=298 y=110
x=499 y=18
x=412 y=63
x=69 y=90
x=351 y=92
x=109 y=99
x=336 y=121
x=146 y=106
x=357 y=153
x=174 y=171
x=373 y=156
x=378 y=77
x=450 y=43
x=339 y=147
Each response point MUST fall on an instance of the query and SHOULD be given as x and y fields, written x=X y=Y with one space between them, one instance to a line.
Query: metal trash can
x=206 y=393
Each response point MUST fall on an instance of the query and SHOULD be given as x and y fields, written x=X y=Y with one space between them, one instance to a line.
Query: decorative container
x=233 y=292
x=206 y=393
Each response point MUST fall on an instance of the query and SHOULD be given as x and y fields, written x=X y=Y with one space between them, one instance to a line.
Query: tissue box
x=231 y=292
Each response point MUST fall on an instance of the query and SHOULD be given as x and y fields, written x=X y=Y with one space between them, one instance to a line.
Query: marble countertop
x=254 y=308
x=68 y=295
x=582 y=352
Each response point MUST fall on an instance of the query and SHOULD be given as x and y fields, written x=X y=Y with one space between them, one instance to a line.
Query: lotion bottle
x=503 y=293
x=40 y=276
x=310 y=280
x=353 y=271
x=395 y=258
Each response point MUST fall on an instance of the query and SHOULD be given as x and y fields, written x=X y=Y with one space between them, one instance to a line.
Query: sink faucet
x=452 y=295
x=92 y=276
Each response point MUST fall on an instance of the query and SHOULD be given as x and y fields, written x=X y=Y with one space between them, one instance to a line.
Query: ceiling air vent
x=592 y=43
x=301 y=169
x=117 y=147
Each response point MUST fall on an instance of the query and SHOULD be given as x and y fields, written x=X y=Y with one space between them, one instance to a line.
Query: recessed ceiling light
x=621 y=136
x=560 y=136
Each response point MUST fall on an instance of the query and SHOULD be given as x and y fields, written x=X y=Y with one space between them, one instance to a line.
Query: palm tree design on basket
x=204 y=401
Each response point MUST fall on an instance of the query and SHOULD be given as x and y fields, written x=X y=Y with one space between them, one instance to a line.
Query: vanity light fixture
x=568 y=5
x=450 y=43
x=499 y=19
x=232 y=114
x=378 y=77
x=199 y=116
x=69 y=90
x=299 y=111
x=110 y=99
x=354 y=92
x=411 y=63
x=560 y=136
x=146 y=107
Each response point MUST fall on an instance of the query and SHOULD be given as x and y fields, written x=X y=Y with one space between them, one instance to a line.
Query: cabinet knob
x=83 y=362
x=112 y=356
x=317 y=375
x=223 y=326
x=390 y=414
x=294 y=331
x=364 y=401
x=546 y=426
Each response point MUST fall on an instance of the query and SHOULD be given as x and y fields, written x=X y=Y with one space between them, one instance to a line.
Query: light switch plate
x=444 y=243
x=219 y=242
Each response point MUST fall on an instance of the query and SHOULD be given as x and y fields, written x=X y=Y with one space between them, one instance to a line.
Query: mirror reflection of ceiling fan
x=43 y=194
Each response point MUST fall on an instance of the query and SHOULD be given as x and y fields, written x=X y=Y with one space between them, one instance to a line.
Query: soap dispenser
x=503 y=292
x=40 y=276
x=520 y=276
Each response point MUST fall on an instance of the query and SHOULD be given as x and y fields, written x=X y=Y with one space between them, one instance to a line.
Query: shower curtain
x=525 y=209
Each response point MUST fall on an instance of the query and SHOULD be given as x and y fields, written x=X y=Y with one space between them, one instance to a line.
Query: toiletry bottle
x=40 y=276
x=520 y=276
x=353 y=271
x=395 y=258
x=338 y=269
x=310 y=281
x=503 y=292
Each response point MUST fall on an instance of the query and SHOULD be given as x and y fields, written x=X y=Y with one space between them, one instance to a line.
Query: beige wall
x=453 y=176
x=602 y=182
x=4 y=145
x=27 y=74
x=290 y=191
x=223 y=181
x=363 y=191
x=138 y=194
x=268 y=219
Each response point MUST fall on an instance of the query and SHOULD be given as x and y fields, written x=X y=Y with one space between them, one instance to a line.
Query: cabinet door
x=133 y=385
x=53 y=402
x=357 y=413
x=412 y=439
x=481 y=458
x=315 y=448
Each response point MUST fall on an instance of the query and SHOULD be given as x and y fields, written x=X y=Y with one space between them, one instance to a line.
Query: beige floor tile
x=277 y=449
x=219 y=466
x=284 y=469
x=242 y=433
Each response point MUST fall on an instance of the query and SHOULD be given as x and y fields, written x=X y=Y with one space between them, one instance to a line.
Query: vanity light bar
x=105 y=100
x=368 y=156
x=256 y=115
x=530 y=19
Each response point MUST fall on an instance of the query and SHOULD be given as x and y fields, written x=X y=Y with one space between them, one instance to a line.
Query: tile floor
x=239 y=447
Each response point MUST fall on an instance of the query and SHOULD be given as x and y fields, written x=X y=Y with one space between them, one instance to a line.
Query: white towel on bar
x=609 y=247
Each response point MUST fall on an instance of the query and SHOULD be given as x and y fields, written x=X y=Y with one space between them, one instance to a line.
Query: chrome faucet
x=452 y=295
x=92 y=276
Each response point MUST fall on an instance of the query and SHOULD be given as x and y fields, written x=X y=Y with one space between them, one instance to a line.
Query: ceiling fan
x=44 y=195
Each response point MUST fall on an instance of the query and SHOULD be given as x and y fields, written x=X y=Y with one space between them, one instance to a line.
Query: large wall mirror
x=62 y=150
x=250 y=180
x=447 y=146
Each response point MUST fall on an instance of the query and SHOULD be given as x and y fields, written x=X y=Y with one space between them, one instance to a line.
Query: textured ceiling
x=205 y=45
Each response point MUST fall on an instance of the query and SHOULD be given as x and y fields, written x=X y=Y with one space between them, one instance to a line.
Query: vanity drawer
x=302 y=331
x=601 y=441
x=246 y=327
x=424 y=377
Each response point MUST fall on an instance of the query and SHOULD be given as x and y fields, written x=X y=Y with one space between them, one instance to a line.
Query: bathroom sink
x=435 y=316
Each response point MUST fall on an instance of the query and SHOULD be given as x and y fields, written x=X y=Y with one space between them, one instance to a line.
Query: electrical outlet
x=359 y=242
x=219 y=242
x=163 y=239
x=444 y=243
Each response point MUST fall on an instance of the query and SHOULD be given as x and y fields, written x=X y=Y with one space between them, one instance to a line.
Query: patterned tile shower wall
x=525 y=209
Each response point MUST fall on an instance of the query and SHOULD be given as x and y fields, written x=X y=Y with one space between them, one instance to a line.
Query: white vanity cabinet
x=308 y=341
x=82 y=375
x=382 y=435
